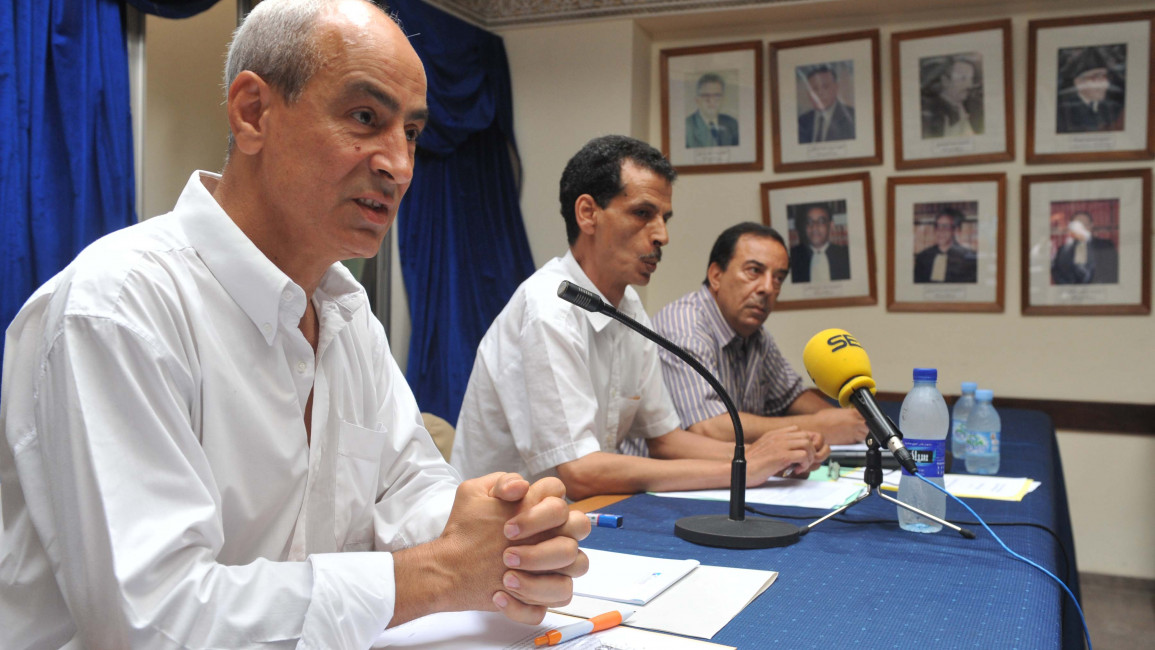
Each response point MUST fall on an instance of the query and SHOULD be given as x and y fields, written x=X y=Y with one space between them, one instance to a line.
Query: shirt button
x=267 y=328
x=302 y=366
x=286 y=295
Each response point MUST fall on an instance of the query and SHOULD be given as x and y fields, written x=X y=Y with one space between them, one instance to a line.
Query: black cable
x=1054 y=535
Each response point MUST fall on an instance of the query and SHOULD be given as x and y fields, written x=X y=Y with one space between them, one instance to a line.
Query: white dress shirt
x=553 y=382
x=819 y=264
x=158 y=488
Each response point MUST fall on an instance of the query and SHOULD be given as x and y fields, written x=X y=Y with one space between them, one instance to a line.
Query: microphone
x=734 y=531
x=840 y=368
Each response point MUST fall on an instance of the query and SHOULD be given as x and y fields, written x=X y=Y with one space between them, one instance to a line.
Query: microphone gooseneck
x=710 y=530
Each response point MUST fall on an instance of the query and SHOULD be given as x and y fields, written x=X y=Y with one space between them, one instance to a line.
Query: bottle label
x=982 y=442
x=958 y=428
x=929 y=455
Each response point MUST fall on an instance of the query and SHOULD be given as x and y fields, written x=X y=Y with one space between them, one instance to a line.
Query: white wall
x=568 y=84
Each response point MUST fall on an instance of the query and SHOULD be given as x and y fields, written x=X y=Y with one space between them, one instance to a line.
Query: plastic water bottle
x=958 y=420
x=924 y=423
x=983 y=431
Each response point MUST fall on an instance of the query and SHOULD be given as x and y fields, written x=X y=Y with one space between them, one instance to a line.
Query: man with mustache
x=204 y=439
x=721 y=324
x=559 y=391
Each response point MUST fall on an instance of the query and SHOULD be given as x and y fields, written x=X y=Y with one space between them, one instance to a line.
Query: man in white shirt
x=557 y=390
x=815 y=258
x=205 y=437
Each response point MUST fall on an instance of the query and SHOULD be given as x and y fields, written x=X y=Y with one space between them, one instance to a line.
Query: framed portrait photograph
x=826 y=106
x=945 y=242
x=712 y=107
x=1087 y=243
x=952 y=95
x=1089 y=88
x=827 y=225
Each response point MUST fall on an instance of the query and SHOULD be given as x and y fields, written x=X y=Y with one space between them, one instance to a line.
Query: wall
x=573 y=75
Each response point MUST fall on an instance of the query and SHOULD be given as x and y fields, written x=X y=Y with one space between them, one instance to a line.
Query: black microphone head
x=580 y=296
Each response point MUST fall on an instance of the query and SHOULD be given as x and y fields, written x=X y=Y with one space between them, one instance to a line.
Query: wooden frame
x=847 y=227
x=972 y=277
x=849 y=65
x=1106 y=58
x=953 y=97
x=1113 y=273
x=725 y=80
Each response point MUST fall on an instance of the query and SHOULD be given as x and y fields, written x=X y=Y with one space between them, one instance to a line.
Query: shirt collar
x=267 y=296
x=631 y=304
x=822 y=249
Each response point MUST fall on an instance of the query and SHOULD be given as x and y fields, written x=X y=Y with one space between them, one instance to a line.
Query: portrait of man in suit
x=946 y=260
x=952 y=99
x=1084 y=258
x=708 y=126
x=829 y=118
x=815 y=258
x=1091 y=91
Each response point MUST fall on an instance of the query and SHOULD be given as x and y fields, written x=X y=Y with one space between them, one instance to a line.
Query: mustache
x=655 y=256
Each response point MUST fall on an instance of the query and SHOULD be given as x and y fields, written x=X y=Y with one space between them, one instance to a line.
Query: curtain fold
x=461 y=237
x=65 y=137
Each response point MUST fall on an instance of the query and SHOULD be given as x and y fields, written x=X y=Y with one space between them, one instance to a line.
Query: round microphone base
x=723 y=532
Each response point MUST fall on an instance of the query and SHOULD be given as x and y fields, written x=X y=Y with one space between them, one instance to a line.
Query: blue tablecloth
x=874 y=585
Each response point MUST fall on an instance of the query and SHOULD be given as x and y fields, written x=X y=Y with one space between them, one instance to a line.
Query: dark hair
x=819 y=70
x=723 y=250
x=953 y=213
x=710 y=78
x=597 y=170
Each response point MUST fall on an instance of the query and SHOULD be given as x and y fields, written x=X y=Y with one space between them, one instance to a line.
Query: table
x=874 y=585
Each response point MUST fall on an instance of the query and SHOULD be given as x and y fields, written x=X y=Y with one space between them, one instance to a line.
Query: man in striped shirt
x=721 y=324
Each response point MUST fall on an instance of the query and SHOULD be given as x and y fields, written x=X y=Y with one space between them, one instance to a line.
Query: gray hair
x=276 y=42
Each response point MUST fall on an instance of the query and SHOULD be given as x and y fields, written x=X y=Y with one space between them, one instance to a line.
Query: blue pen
x=605 y=521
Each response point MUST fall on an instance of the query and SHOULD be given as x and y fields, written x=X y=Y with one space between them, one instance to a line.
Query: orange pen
x=582 y=628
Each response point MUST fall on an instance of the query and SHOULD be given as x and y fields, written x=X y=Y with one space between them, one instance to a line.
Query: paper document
x=633 y=579
x=493 y=631
x=699 y=605
x=968 y=486
x=785 y=492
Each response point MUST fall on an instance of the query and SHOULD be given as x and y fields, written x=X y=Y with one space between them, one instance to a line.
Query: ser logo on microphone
x=839 y=341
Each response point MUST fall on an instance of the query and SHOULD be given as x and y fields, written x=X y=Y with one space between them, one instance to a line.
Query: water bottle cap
x=984 y=394
x=926 y=374
x=969 y=386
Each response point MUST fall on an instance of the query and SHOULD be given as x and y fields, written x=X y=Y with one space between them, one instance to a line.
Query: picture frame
x=945 y=243
x=836 y=209
x=840 y=74
x=1112 y=274
x=712 y=107
x=953 y=95
x=1091 y=88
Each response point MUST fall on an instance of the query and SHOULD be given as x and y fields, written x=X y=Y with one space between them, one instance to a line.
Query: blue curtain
x=462 y=241
x=65 y=137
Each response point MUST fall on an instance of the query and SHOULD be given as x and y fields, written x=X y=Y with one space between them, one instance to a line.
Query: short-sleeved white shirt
x=553 y=382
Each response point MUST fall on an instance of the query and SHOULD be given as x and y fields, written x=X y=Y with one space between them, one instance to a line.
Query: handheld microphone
x=840 y=368
x=734 y=531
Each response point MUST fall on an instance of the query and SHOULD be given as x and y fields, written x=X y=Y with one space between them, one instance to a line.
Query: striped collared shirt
x=759 y=379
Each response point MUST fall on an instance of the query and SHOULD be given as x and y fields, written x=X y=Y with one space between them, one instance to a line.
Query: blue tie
x=714 y=133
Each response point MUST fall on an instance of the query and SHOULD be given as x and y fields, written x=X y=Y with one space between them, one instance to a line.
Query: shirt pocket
x=359 y=461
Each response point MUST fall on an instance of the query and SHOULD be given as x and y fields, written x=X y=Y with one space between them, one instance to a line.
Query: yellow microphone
x=840 y=368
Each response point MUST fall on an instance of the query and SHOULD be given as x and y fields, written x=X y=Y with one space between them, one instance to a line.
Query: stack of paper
x=786 y=492
x=699 y=604
x=964 y=486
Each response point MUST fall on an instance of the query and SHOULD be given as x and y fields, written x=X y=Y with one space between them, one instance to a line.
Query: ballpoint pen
x=582 y=628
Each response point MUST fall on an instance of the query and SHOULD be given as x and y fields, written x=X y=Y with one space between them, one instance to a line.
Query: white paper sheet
x=634 y=579
x=699 y=605
x=785 y=492
x=493 y=631
x=968 y=486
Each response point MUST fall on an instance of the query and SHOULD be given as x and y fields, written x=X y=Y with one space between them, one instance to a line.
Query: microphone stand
x=872 y=476
x=734 y=531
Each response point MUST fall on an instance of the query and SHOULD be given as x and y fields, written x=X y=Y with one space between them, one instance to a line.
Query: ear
x=714 y=276
x=586 y=210
x=250 y=98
